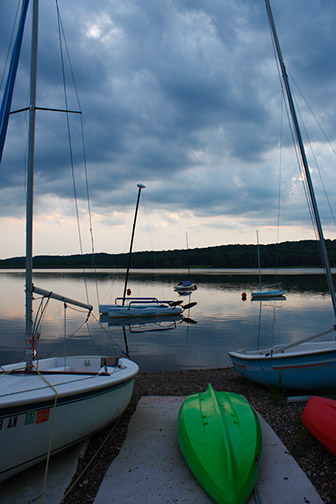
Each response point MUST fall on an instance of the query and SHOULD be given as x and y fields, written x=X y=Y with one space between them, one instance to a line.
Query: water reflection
x=224 y=321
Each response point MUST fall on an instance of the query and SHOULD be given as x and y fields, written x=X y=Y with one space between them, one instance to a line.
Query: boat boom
x=59 y=297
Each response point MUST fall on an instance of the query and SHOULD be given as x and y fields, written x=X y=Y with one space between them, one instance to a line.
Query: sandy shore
x=284 y=418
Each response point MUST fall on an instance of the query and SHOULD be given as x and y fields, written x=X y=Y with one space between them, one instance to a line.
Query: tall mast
x=258 y=254
x=187 y=253
x=30 y=190
x=317 y=219
x=140 y=186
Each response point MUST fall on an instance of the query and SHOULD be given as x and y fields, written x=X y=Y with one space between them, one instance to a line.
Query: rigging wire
x=86 y=323
x=66 y=340
x=320 y=175
x=312 y=113
x=108 y=334
x=69 y=130
x=312 y=151
x=40 y=316
x=279 y=192
x=62 y=37
x=298 y=157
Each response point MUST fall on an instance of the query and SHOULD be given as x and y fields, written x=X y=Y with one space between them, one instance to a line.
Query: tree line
x=304 y=253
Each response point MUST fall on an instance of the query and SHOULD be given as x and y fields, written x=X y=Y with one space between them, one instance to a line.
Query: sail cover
x=9 y=88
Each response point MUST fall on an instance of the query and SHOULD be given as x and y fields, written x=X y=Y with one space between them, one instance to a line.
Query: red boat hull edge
x=319 y=416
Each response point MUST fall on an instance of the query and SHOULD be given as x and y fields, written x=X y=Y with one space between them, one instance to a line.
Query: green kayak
x=220 y=438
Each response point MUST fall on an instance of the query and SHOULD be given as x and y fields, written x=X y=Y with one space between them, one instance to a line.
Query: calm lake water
x=222 y=320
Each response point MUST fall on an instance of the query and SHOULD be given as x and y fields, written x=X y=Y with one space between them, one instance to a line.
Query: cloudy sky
x=184 y=97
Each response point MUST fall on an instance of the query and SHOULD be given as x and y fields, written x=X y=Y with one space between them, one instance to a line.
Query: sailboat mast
x=187 y=252
x=324 y=252
x=258 y=254
x=30 y=190
x=140 y=186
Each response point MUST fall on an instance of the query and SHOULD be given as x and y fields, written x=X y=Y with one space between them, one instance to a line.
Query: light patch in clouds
x=103 y=30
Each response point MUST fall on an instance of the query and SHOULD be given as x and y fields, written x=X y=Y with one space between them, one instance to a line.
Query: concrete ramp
x=150 y=467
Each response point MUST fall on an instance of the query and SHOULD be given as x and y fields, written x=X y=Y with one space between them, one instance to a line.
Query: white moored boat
x=142 y=307
x=268 y=294
x=185 y=286
x=46 y=405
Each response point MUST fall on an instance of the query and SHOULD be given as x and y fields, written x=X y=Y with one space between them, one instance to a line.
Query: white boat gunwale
x=82 y=386
x=21 y=407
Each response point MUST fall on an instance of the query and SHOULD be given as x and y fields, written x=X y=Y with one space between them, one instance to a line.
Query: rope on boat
x=51 y=434
x=92 y=459
x=9 y=371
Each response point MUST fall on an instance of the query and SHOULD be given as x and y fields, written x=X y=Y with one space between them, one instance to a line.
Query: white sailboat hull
x=139 y=310
x=310 y=366
x=69 y=402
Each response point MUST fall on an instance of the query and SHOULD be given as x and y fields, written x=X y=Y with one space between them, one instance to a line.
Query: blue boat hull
x=312 y=366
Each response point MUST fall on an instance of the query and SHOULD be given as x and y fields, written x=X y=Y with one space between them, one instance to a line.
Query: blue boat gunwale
x=275 y=353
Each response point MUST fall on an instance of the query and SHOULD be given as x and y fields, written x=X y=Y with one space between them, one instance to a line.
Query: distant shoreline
x=223 y=258
x=179 y=271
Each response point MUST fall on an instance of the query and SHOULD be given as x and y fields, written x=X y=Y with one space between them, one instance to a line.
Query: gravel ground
x=284 y=418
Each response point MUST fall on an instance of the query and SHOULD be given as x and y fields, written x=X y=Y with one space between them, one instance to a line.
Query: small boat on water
x=47 y=405
x=220 y=437
x=319 y=416
x=268 y=293
x=185 y=286
x=305 y=364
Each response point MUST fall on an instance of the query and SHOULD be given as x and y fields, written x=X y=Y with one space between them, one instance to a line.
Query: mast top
x=141 y=186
